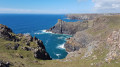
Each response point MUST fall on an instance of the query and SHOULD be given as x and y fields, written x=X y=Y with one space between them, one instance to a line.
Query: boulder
x=12 y=46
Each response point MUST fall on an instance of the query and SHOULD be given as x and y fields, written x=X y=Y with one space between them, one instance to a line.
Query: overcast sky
x=59 y=6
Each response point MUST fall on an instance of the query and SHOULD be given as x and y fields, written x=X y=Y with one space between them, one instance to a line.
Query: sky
x=59 y=6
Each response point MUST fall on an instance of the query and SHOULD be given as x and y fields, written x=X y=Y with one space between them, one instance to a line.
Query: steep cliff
x=71 y=28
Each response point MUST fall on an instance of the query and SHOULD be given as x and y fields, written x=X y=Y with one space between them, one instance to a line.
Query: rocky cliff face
x=100 y=42
x=20 y=43
x=71 y=28
x=80 y=40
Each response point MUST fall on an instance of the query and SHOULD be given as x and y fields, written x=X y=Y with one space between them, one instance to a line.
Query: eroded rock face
x=79 y=40
x=40 y=51
x=71 y=28
x=41 y=54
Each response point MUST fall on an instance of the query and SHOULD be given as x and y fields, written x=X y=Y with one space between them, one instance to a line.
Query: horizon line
x=59 y=13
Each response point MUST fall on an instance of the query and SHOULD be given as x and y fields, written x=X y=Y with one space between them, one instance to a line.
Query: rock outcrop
x=4 y=64
x=5 y=32
x=70 y=28
x=23 y=42
x=113 y=41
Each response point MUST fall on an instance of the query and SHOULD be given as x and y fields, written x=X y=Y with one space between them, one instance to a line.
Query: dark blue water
x=35 y=25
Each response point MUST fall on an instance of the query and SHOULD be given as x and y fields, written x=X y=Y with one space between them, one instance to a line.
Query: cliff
x=96 y=46
x=20 y=47
x=99 y=42
x=70 y=28
x=89 y=16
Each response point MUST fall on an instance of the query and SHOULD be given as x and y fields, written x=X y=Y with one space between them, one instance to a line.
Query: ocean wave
x=26 y=33
x=48 y=32
x=43 y=32
x=58 y=55
x=61 y=37
x=61 y=46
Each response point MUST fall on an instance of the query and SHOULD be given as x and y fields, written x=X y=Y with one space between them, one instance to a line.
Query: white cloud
x=11 y=10
x=107 y=6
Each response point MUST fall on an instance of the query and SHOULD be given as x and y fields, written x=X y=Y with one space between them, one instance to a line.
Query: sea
x=36 y=25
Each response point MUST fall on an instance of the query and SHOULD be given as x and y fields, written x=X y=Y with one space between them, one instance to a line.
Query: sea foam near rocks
x=61 y=46
x=43 y=32
x=58 y=55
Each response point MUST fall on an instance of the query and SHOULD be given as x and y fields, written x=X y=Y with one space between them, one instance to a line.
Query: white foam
x=58 y=55
x=26 y=34
x=38 y=33
x=43 y=32
x=67 y=18
x=61 y=37
x=61 y=46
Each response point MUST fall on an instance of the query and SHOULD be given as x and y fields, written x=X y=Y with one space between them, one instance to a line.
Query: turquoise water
x=35 y=25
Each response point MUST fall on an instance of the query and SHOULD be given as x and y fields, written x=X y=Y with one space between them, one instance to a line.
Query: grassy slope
x=30 y=61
